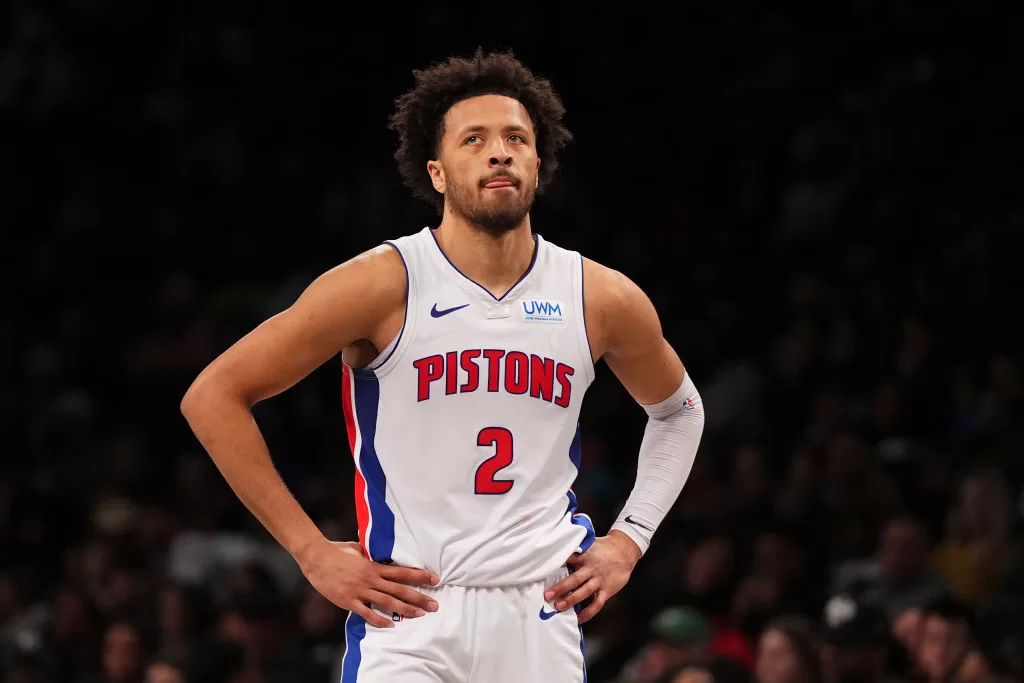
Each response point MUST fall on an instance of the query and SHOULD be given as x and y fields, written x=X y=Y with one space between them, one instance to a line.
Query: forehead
x=487 y=111
x=775 y=638
x=936 y=623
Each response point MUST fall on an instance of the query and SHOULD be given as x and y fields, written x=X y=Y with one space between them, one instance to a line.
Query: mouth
x=501 y=181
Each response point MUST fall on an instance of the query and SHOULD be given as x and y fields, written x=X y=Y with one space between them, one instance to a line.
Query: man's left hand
x=600 y=572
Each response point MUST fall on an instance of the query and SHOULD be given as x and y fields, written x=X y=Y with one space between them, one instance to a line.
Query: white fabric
x=485 y=635
x=667 y=452
x=465 y=429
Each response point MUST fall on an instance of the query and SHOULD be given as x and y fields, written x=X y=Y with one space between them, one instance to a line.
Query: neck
x=496 y=262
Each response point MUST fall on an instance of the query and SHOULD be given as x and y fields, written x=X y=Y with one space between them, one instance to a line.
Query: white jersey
x=465 y=428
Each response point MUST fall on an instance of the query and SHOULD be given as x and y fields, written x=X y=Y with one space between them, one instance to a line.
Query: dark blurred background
x=823 y=200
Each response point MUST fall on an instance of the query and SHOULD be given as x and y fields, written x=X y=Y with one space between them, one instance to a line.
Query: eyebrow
x=480 y=129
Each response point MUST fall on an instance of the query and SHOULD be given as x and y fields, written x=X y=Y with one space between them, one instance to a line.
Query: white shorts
x=477 y=635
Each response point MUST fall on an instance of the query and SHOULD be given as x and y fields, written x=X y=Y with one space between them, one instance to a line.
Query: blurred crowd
x=829 y=224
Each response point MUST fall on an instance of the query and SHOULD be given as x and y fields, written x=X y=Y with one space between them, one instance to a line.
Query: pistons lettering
x=494 y=370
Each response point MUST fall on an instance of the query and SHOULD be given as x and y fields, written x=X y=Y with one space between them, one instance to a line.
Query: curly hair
x=420 y=113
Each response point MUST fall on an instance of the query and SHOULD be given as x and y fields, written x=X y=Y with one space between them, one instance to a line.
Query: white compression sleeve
x=667 y=452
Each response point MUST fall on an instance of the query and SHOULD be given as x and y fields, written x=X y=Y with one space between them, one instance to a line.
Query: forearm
x=227 y=430
x=667 y=453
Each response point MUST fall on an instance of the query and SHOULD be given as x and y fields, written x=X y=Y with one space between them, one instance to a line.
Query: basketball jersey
x=465 y=428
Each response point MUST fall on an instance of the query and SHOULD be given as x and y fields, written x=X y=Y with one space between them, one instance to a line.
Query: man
x=466 y=354
x=901 y=577
x=680 y=639
x=945 y=640
x=856 y=642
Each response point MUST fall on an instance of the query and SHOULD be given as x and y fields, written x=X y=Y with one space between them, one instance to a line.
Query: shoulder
x=611 y=288
x=380 y=270
x=368 y=286
x=615 y=306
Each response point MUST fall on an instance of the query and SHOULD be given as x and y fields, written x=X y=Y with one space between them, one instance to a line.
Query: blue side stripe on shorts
x=355 y=631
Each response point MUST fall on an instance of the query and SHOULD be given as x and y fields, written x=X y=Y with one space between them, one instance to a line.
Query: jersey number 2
x=501 y=439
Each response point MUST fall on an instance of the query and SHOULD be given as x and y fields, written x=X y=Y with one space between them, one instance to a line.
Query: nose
x=500 y=155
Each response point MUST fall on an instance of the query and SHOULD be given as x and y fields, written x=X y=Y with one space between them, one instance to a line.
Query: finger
x=592 y=609
x=371 y=617
x=579 y=595
x=389 y=604
x=406 y=594
x=416 y=577
x=575 y=560
x=569 y=583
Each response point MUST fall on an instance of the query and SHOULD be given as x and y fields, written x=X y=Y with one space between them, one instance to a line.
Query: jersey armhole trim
x=588 y=351
x=393 y=351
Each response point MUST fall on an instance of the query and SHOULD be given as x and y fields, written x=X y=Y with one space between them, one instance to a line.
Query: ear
x=537 y=183
x=436 y=172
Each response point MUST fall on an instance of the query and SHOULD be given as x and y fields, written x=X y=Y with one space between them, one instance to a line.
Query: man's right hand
x=340 y=573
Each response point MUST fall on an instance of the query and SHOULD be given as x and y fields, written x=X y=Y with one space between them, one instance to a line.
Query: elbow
x=192 y=397
x=198 y=395
x=209 y=394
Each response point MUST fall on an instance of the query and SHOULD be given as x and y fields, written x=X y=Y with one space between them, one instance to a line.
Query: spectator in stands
x=322 y=627
x=126 y=650
x=709 y=587
x=973 y=668
x=73 y=633
x=905 y=636
x=856 y=642
x=688 y=674
x=901 y=577
x=946 y=642
x=182 y=615
x=981 y=548
x=680 y=639
x=789 y=652
x=165 y=669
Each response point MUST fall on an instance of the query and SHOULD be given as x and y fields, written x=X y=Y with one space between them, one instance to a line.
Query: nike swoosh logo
x=546 y=615
x=629 y=520
x=434 y=313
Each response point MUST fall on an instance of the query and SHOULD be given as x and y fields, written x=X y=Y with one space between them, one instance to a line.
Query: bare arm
x=362 y=299
x=270 y=359
x=626 y=331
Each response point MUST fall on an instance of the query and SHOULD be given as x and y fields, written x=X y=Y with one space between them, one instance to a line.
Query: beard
x=495 y=215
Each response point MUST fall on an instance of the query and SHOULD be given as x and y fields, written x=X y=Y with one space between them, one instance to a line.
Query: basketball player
x=466 y=352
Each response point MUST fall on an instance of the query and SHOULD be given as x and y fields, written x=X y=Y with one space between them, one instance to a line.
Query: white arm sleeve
x=667 y=452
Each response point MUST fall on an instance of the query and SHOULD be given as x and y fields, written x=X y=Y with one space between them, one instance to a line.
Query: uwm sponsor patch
x=542 y=311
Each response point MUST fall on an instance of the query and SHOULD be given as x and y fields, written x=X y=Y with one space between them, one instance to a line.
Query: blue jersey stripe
x=576 y=456
x=381 y=542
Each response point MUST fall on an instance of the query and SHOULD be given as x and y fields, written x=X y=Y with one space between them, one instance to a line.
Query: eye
x=516 y=138
x=472 y=139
